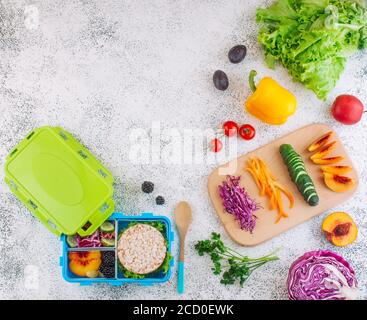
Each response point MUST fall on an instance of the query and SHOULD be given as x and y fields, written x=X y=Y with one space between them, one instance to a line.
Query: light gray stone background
x=103 y=68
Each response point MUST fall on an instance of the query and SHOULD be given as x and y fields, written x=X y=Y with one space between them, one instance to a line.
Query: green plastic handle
x=181 y=277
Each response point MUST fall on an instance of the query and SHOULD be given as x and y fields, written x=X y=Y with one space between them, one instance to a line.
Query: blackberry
x=147 y=187
x=107 y=271
x=159 y=200
x=108 y=258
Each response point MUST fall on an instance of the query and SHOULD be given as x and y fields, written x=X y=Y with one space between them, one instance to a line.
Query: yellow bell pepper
x=270 y=102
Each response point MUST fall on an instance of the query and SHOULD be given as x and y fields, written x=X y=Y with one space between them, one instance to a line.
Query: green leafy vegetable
x=234 y=265
x=313 y=38
x=160 y=226
x=129 y=274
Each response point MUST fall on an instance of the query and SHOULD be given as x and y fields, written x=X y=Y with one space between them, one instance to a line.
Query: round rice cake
x=141 y=249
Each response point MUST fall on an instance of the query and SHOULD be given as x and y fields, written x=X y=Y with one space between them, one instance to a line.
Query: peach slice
x=81 y=268
x=82 y=263
x=320 y=141
x=338 y=183
x=324 y=151
x=330 y=160
x=85 y=255
x=336 y=169
x=340 y=229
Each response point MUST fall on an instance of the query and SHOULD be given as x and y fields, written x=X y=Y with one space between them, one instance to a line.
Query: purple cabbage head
x=321 y=275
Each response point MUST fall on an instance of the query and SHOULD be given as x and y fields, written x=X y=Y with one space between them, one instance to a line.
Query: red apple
x=347 y=109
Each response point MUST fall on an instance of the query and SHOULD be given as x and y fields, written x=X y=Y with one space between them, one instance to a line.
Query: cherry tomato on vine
x=247 y=132
x=230 y=128
x=215 y=145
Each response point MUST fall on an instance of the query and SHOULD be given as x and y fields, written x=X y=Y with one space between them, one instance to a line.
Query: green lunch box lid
x=60 y=182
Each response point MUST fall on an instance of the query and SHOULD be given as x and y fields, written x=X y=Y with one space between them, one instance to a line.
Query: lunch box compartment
x=71 y=275
x=98 y=248
x=121 y=223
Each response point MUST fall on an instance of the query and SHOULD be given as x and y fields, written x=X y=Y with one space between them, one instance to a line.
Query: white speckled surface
x=101 y=68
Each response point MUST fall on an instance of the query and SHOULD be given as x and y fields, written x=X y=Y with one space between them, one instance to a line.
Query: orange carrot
x=269 y=186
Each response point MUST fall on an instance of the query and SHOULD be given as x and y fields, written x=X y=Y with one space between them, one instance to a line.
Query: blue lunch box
x=121 y=222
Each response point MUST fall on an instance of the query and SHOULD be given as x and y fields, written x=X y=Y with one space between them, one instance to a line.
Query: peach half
x=84 y=262
x=340 y=229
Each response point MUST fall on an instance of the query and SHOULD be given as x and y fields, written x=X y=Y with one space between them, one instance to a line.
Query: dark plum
x=220 y=80
x=237 y=54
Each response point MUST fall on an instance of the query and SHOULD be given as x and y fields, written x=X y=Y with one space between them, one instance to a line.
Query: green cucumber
x=296 y=168
x=298 y=174
x=108 y=242
x=107 y=227
x=71 y=241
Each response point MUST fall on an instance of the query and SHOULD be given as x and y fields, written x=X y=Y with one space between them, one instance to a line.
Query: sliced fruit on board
x=324 y=151
x=267 y=229
x=326 y=161
x=336 y=169
x=320 y=141
x=338 y=183
x=340 y=229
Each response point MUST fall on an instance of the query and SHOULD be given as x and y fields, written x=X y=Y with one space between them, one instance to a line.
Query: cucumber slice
x=108 y=242
x=314 y=200
x=285 y=148
x=290 y=156
x=298 y=173
x=295 y=160
x=309 y=188
x=297 y=167
x=107 y=227
x=71 y=241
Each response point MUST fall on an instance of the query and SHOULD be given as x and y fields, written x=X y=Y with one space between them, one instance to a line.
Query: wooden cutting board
x=266 y=228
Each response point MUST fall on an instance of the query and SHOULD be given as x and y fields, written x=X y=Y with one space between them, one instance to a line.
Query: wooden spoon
x=183 y=218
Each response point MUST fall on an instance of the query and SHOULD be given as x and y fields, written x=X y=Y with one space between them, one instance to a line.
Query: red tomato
x=247 y=132
x=230 y=128
x=216 y=145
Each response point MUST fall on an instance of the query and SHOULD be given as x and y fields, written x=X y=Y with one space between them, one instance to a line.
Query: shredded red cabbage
x=107 y=235
x=321 y=275
x=94 y=240
x=91 y=241
x=236 y=201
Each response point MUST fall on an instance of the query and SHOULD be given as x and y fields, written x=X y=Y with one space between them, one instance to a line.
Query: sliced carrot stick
x=254 y=176
x=287 y=193
x=269 y=187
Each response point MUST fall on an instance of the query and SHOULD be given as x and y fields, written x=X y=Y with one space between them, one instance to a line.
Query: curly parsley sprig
x=237 y=267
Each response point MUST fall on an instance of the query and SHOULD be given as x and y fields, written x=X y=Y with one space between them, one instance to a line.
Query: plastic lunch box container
x=70 y=192
x=121 y=222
